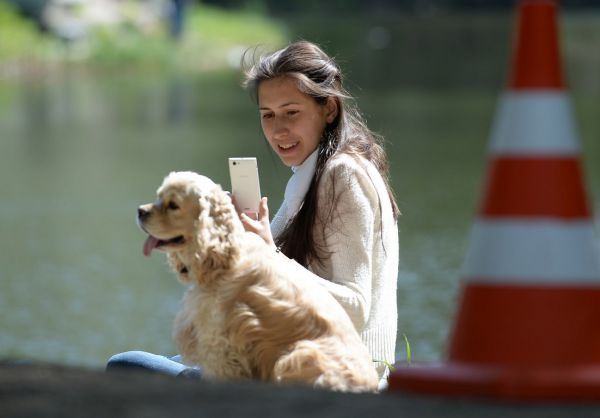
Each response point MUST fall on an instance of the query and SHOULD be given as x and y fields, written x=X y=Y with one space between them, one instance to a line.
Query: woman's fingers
x=249 y=219
x=258 y=223
x=251 y=215
x=263 y=210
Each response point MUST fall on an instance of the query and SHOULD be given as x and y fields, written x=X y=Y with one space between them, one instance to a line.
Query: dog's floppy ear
x=217 y=231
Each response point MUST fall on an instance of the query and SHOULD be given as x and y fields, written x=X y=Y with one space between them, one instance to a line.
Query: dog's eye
x=172 y=205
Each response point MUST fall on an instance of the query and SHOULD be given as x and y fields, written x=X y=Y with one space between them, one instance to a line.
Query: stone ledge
x=44 y=390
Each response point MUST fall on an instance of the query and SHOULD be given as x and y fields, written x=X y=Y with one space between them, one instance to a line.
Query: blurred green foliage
x=19 y=37
x=213 y=39
x=211 y=31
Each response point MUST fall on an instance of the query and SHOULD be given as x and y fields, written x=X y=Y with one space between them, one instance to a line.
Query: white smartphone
x=245 y=186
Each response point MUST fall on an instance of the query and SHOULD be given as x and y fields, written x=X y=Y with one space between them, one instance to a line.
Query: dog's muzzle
x=142 y=214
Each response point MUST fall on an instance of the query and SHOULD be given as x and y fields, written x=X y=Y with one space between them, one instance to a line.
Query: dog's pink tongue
x=149 y=245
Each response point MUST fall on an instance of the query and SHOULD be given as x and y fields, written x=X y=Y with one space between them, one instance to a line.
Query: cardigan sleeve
x=347 y=236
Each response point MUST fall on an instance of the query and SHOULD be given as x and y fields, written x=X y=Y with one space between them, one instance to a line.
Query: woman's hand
x=259 y=224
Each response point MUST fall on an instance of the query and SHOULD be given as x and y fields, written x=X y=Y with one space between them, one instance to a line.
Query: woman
x=338 y=218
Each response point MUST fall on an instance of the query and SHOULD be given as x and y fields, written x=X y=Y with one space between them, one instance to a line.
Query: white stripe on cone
x=530 y=251
x=534 y=122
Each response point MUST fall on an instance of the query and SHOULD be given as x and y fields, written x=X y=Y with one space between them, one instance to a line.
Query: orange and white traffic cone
x=528 y=324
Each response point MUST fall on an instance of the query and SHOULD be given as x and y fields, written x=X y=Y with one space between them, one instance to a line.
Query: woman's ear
x=331 y=109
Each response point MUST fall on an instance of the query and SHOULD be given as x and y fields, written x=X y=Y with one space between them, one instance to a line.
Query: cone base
x=570 y=384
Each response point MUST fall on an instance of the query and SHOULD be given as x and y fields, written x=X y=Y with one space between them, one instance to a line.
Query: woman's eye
x=173 y=206
x=292 y=112
x=267 y=115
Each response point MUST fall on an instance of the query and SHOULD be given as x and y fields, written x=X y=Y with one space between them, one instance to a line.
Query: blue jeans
x=141 y=360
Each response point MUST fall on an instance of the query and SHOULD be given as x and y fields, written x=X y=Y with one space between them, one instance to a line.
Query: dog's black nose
x=142 y=214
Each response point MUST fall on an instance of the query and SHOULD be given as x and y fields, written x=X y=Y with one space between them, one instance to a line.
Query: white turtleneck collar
x=295 y=191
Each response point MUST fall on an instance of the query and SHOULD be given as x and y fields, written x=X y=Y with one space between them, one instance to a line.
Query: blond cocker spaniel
x=248 y=312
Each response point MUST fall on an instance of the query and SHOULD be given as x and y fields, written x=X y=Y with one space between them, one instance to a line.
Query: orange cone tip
x=536 y=63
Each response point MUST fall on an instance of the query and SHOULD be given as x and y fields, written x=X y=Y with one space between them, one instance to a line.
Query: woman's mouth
x=286 y=148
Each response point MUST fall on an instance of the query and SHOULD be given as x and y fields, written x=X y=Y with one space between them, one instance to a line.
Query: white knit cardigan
x=362 y=238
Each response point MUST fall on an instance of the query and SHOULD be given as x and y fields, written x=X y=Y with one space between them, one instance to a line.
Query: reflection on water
x=78 y=154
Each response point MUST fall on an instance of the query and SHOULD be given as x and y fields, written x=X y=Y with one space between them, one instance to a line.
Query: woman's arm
x=347 y=236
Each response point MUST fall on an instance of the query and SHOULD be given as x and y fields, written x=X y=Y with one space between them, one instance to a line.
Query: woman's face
x=292 y=121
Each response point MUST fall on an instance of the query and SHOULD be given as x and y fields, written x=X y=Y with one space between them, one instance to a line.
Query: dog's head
x=192 y=220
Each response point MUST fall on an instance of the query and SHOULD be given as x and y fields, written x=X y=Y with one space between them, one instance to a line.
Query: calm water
x=78 y=154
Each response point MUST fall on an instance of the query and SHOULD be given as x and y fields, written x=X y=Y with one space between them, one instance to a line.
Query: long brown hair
x=318 y=76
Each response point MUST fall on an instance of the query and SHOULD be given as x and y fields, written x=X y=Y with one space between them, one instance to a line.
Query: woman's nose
x=280 y=129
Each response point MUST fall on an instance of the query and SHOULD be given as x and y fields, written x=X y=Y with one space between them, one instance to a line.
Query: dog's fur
x=248 y=312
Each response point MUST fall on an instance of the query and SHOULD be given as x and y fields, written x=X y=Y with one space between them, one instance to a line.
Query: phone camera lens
x=234 y=163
